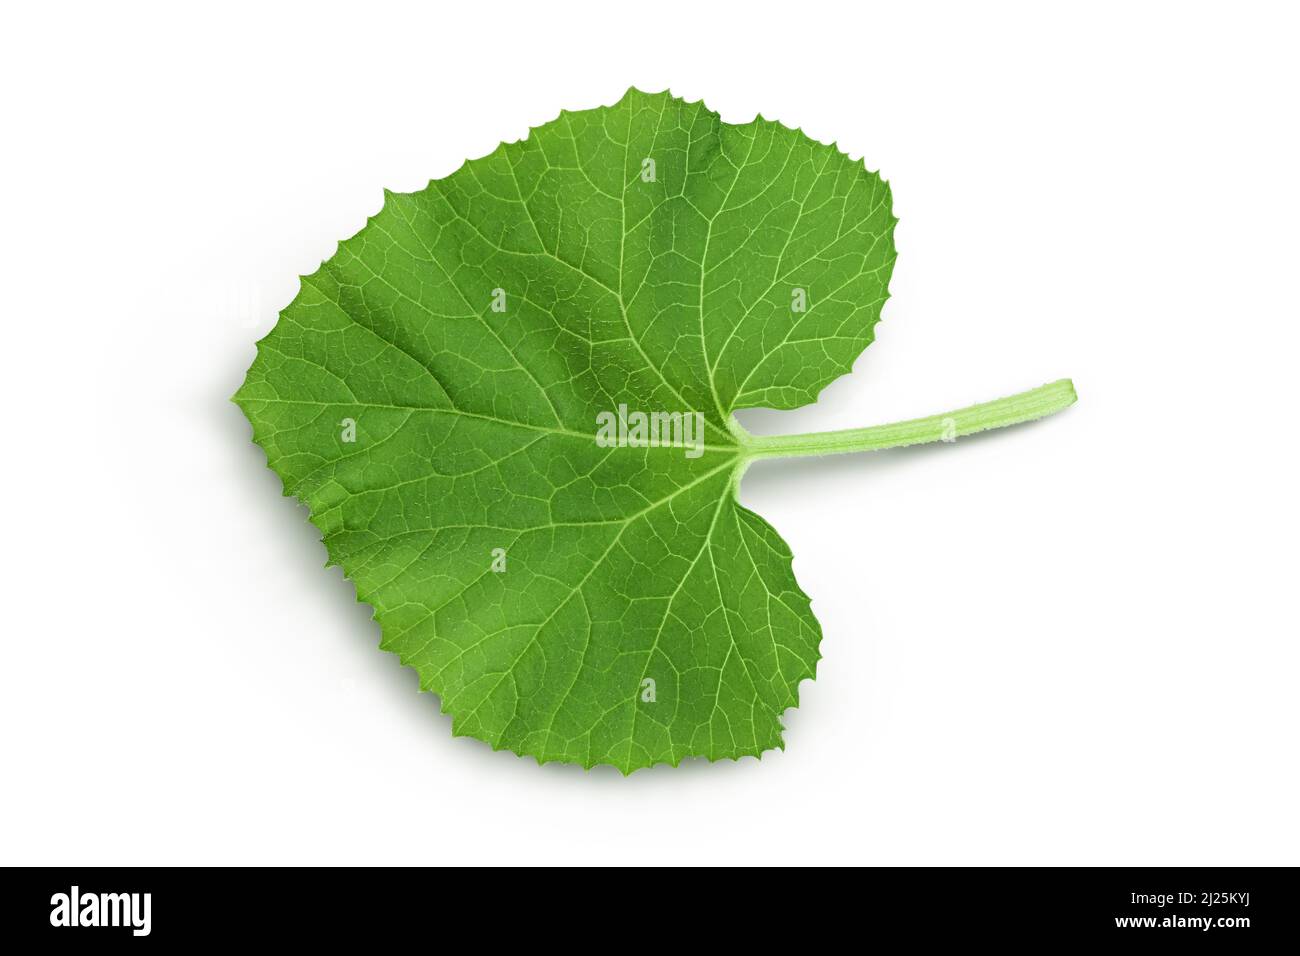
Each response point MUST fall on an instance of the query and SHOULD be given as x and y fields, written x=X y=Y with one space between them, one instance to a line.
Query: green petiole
x=1012 y=410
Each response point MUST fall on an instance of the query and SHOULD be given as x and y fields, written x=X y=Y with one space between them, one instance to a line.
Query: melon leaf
x=507 y=403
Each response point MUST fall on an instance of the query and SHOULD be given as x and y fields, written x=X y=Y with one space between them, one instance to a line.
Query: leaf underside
x=667 y=288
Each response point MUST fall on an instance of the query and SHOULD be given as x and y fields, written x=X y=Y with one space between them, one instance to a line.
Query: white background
x=1070 y=642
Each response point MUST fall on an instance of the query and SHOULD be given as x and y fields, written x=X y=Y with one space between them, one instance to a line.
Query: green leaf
x=443 y=391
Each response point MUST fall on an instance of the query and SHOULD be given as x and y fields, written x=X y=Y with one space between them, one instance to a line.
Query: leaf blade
x=475 y=428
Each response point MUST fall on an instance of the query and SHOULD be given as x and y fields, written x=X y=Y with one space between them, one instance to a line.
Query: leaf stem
x=1012 y=410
